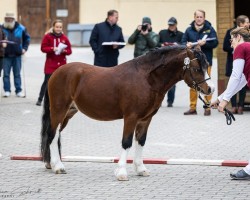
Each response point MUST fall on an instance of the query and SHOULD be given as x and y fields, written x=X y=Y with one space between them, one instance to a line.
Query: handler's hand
x=189 y=45
x=215 y=104
x=222 y=105
x=201 y=42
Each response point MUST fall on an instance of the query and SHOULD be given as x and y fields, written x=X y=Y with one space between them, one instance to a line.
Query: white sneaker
x=6 y=94
x=20 y=94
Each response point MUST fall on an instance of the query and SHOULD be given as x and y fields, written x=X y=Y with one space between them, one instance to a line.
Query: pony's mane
x=164 y=49
x=201 y=59
x=154 y=56
x=159 y=51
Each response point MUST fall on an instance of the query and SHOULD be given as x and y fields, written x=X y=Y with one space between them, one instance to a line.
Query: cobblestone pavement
x=171 y=135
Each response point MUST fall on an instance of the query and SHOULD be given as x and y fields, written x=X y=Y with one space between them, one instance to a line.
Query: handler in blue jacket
x=107 y=31
x=195 y=33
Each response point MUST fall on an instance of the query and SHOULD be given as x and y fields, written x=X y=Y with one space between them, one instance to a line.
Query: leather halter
x=229 y=115
x=194 y=83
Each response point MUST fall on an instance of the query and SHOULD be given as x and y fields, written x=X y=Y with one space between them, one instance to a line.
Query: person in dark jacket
x=57 y=46
x=197 y=32
x=144 y=38
x=241 y=21
x=18 y=35
x=170 y=36
x=2 y=46
x=107 y=31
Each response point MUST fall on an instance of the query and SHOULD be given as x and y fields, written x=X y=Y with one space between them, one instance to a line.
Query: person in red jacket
x=56 y=45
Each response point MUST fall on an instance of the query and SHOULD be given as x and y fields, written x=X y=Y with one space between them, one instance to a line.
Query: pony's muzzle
x=208 y=91
x=211 y=87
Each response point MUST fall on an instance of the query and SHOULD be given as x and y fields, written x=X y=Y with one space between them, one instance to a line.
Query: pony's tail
x=46 y=131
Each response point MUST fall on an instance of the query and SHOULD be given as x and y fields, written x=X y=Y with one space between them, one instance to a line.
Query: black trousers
x=43 y=87
x=241 y=100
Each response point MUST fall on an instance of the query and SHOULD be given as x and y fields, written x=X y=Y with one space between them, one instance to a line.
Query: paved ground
x=171 y=135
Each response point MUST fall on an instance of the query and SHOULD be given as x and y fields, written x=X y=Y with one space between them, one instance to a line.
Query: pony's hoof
x=122 y=178
x=121 y=174
x=48 y=166
x=144 y=173
x=61 y=171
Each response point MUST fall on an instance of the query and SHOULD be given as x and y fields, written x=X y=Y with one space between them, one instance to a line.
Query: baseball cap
x=172 y=21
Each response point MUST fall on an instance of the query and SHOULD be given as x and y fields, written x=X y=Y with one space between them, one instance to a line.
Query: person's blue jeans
x=15 y=64
x=171 y=95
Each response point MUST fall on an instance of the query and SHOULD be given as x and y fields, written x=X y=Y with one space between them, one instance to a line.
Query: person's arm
x=46 y=45
x=68 y=49
x=227 y=44
x=132 y=39
x=184 y=38
x=161 y=38
x=213 y=43
x=236 y=81
x=26 y=40
x=152 y=39
x=4 y=44
x=93 y=41
x=121 y=39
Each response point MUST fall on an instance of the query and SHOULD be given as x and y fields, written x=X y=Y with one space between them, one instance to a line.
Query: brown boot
x=240 y=110
x=234 y=110
x=207 y=112
x=190 y=112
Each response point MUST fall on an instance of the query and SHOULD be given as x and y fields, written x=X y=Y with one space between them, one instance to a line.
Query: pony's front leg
x=121 y=172
x=55 y=160
x=140 y=168
x=127 y=139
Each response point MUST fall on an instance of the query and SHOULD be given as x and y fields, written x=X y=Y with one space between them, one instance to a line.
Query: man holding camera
x=144 y=38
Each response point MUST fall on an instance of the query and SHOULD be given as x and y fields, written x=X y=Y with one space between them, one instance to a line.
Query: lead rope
x=229 y=115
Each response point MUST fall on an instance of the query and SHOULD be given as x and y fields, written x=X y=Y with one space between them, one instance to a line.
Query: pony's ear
x=190 y=53
x=197 y=47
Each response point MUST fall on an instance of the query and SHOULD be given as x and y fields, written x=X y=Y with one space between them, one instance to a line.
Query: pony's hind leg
x=59 y=169
x=55 y=158
x=140 y=136
x=71 y=112
x=61 y=114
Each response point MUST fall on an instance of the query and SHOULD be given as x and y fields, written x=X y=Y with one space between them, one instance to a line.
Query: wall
x=7 y=6
x=225 y=16
x=132 y=11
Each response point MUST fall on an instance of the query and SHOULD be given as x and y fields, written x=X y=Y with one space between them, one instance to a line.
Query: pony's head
x=195 y=71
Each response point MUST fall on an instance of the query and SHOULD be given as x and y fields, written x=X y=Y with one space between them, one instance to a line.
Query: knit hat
x=172 y=21
x=146 y=20
x=10 y=15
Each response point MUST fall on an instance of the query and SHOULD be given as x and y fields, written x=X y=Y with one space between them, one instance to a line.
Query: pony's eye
x=197 y=69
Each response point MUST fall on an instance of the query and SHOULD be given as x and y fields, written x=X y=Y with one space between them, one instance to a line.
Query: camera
x=144 y=27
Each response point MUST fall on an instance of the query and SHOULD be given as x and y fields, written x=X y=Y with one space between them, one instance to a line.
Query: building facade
x=227 y=11
x=37 y=16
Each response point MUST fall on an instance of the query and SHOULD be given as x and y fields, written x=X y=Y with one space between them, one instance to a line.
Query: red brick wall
x=225 y=16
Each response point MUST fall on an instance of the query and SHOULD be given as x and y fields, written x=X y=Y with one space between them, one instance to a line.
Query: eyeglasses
x=231 y=40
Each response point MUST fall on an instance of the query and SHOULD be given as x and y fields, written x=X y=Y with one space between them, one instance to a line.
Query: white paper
x=207 y=39
x=60 y=48
x=114 y=43
x=204 y=37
